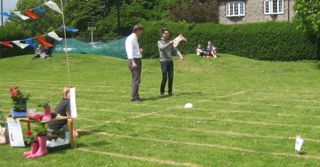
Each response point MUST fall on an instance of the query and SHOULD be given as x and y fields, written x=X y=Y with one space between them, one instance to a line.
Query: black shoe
x=170 y=94
x=137 y=100
x=140 y=99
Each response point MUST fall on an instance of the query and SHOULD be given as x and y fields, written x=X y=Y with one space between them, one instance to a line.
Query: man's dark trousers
x=167 y=73
x=136 y=74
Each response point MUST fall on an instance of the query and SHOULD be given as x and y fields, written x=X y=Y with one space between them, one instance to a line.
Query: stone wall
x=255 y=12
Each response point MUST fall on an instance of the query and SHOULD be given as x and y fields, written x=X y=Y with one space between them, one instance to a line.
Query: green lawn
x=246 y=112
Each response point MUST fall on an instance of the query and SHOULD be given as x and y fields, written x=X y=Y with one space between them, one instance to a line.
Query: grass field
x=246 y=112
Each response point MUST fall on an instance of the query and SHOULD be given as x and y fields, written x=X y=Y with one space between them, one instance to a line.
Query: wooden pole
x=65 y=43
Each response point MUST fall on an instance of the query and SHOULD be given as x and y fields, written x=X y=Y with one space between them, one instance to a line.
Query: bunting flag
x=19 y=14
x=53 y=6
x=7 y=44
x=54 y=35
x=21 y=45
x=7 y=14
x=30 y=42
x=42 y=39
x=31 y=14
x=38 y=9
x=69 y=29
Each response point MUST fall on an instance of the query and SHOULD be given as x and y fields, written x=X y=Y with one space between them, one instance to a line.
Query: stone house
x=252 y=11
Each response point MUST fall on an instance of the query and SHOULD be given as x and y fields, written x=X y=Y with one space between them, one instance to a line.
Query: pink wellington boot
x=47 y=114
x=42 y=140
x=34 y=149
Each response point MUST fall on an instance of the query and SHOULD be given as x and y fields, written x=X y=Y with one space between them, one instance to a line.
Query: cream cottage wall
x=255 y=12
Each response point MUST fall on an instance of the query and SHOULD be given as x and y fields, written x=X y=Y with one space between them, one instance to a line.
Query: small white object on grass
x=188 y=106
x=299 y=143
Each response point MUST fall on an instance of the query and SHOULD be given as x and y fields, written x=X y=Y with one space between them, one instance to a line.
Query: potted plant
x=19 y=100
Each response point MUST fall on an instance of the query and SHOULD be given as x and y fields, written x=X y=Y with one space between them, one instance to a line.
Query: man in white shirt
x=134 y=56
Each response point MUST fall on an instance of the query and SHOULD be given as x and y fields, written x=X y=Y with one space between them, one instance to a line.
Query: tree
x=196 y=11
x=308 y=15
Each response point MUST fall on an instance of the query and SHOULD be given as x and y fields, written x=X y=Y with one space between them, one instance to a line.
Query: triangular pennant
x=53 y=6
x=19 y=44
x=6 y=44
x=30 y=42
x=42 y=39
x=7 y=14
x=54 y=35
x=69 y=29
x=38 y=9
x=19 y=14
x=31 y=14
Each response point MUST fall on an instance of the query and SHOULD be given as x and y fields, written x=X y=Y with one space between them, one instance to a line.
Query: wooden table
x=58 y=118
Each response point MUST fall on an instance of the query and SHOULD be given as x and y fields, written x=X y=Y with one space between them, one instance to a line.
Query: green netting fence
x=115 y=48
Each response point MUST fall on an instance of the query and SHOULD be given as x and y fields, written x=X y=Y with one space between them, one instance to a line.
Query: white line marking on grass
x=256 y=112
x=139 y=158
x=260 y=104
x=228 y=133
x=235 y=121
x=233 y=94
x=219 y=146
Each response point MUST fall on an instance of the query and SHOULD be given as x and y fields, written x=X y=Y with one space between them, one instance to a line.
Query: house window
x=235 y=8
x=273 y=7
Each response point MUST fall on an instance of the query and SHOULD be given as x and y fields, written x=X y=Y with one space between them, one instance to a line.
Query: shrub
x=13 y=32
x=264 y=41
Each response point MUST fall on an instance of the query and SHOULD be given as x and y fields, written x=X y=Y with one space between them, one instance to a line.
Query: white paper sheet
x=15 y=133
x=73 y=104
x=299 y=143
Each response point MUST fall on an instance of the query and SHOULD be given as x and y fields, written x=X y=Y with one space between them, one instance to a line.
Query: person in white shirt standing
x=134 y=54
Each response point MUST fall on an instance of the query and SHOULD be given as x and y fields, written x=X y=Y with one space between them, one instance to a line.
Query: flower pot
x=20 y=105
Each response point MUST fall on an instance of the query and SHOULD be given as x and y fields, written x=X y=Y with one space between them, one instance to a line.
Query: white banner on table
x=15 y=133
x=73 y=104
x=299 y=143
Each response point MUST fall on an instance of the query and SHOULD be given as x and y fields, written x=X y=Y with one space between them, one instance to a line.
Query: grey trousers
x=167 y=74
x=136 y=74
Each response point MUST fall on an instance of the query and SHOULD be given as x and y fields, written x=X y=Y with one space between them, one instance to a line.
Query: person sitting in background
x=41 y=52
x=211 y=50
x=200 y=51
x=58 y=128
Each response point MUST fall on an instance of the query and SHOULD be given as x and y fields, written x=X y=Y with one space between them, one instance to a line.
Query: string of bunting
x=41 y=38
x=33 y=13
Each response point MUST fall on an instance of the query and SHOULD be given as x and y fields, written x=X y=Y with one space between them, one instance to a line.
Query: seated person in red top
x=211 y=50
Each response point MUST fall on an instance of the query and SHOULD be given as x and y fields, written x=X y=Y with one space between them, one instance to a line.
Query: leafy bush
x=13 y=32
x=196 y=11
x=264 y=41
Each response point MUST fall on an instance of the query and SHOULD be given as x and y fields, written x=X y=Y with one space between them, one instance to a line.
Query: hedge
x=264 y=41
x=13 y=32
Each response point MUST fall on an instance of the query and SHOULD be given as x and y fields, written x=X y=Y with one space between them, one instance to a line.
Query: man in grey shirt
x=166 y=50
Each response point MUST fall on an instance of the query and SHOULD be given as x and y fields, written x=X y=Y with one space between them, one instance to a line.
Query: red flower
x=28 y=132
x=11 y=88
x=15 y=93
x=38 y=117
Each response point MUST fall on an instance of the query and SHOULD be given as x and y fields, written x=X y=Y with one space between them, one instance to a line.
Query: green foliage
x=308 y=15
x=132 y=12
x=196 y=12
x=263 y=41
